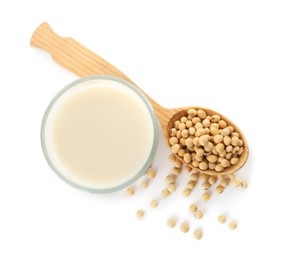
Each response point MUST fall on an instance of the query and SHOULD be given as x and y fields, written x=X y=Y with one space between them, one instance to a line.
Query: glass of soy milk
x=99 y=134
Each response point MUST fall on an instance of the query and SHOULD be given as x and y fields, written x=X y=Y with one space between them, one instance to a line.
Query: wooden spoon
x=78 y=59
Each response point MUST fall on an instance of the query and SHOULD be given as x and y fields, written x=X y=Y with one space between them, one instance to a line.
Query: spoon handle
x=71 y=54
x=78 y=59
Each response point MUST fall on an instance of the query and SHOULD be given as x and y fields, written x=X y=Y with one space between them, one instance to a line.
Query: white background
x=236 y=57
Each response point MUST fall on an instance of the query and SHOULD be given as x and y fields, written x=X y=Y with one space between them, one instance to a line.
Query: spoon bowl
x=180 y=112
x=78 y=59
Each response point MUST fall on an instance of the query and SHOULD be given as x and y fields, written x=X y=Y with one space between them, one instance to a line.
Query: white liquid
x=99 y=134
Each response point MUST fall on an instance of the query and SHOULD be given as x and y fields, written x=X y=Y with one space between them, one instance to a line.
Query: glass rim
x=149 y=160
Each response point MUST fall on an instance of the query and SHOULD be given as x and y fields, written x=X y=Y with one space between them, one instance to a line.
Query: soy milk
x=98 y=134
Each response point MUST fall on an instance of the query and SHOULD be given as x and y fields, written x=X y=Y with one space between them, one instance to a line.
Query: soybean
x=130 y=191
x=193 y=208
x=198 y=234
x=198 y=214
x=171 y=222
x=232 y=225
x=151 y=173
x=154 y=203
x=222 y=219
x=140 y=213
x=184 y=227
x=205 y=196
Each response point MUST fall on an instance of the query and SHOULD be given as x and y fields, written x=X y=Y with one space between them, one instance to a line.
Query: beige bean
x=192 y=112
x=178 y=163
x=212 y=180
x=219 y=189
x=206 y=185
x=220 y=147
x=234 y=160
x=225 y=132
x=183 y=119
x=165 y=193
x=187 y=158
x=171 y=187
x=200 y=152
x=229 y=148
x=244 y=184
x=219 y=168
x=235 y=141
x=178 y=134
x=198 y=234
x=175 y=171
x=232 y=225
x=236 y=150
x=182 y=141
x=194 y=176
x=222 y=124
x=191 y=185
x=130 y=191
x=226 y=139
x=171 y=222
x=184 y=133
x=188 y=124
x=151 y=173
x=224 y=182
x=198 y=214
x=186 y=192
x=176 y=124
x=195 y=164
x=212 y=158
x=206 y=123
x=184 y=227
x=144 y=184
x=192 y=131
x=173 y=131
x=196 y=120
x=241 y=151
x=235 y=182
x=218 y=139
x=208 y=147
x=225 y=163
x=199 y=125
x=204 y=177
x=199 y=158
x=170 y=179
x=201 y=114
x=173 y=140
x=222 y=219
x=203 y=165
x=193 y=208
x=214 y=131
x=231 y=129
x=196 y=141
x=228 y=156
x=140 y=213
x=200 y=132
x=187 y=169
x=211 y=165
x=205 y=196
x=181 y=153
x=215 y=118
x=172 y=157
x=175 y=148
x=181 y=126
x=154 y=204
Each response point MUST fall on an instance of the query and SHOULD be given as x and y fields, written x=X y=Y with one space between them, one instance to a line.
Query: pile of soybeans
x=199 y=142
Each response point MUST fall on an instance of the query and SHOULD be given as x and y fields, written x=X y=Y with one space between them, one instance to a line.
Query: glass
x=149 y=159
